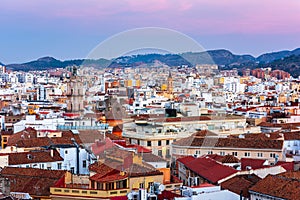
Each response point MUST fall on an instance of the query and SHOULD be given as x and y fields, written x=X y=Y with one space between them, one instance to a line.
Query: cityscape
x=149 y=113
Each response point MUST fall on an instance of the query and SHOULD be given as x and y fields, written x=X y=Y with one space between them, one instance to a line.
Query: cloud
x=209 y=16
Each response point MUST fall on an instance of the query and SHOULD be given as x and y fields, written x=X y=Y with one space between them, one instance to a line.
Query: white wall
x=69 y=156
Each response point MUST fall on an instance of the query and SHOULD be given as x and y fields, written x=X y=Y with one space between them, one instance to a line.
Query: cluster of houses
x=149 y=133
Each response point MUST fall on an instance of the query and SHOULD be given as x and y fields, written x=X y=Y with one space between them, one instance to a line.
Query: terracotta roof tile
x=149 y=157
x=282 y=186
x=33 y=157
x=28 y=138
x=209 y=169
x=33 y=181
x=241 y=183
x=253 y=163
x=185 y=160
x=229 y=143
x=230 y=159
x=291 y=136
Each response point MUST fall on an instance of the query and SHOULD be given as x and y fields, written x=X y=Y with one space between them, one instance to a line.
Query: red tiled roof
x=33 y=181
x=25 y=134
x=7 y=133
x=112 y=167
x=215 y=157
x=291 y=136
x=99 y=147
x=291 y=174
x=100 y=168
x=28 y=138
x=289 y=166
x=253 y=163
x=240 y=183
x=185 y=160
x=280 y=186
x=204 y=133
x=229 y=143
x=149 y=157
x=167 y=195
x=209 y=169
x=33 y=157
x=114 y=175
x=230 y=159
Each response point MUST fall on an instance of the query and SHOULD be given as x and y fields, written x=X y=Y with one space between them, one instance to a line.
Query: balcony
x=84 y=193
x=71 y=127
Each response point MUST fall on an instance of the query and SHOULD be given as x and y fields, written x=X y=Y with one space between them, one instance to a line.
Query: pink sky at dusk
x=39 y=21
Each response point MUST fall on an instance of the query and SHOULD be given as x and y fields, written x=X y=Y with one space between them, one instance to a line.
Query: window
x=121 y=184
x=295 y=143
x=99 y=186
x=72 y=170
x=149 y=143
x=150 y=184
x=159 y=142
x=92 y=184
x=58 y=165
x=234 y=153
x=167 y=142
x=110 y=186
x=247 y=154
x=222 y=153
x=272 y=155
x=168 y=155
x=49 y=168
x=66 y=151
x=198 y=152
x=259 y=154
x=84 y=163
x=142 y=185
x=160 y=153
x=210 y=152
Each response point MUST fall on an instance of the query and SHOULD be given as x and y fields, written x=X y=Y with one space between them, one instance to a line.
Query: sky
x=71 y=29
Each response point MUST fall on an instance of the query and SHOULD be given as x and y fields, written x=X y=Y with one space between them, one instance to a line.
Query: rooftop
x=33 y=157
x=234 y=143
x=240 y=183
x=33 y=181
x=285 y=185
x=208 y=168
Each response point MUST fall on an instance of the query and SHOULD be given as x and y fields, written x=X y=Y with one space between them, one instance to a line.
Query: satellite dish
x=161 y=187
x=130 y=195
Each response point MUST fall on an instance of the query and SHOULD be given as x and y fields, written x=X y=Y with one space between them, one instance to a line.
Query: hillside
x=285 y=60
x=269 y=57
x=52 y=63
x=289 y=64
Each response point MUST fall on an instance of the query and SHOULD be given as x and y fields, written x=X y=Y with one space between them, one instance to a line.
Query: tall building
x=75 y=92
x=170 y=83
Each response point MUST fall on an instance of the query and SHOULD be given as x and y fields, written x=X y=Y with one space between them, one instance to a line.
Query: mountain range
x=285 y=60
